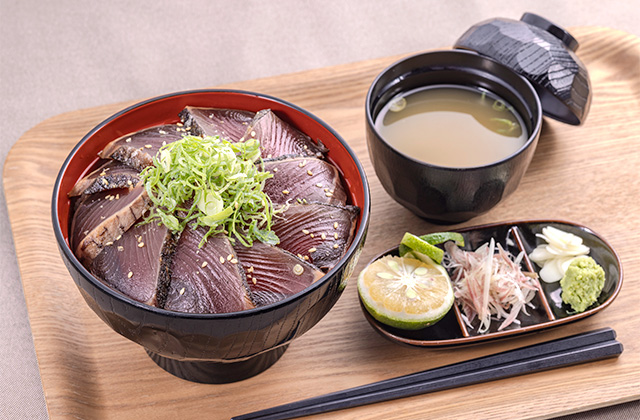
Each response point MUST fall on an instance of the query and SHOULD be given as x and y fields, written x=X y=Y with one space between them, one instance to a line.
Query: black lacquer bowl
x=448 y=194
x=530 y=63
x=211 y=348
x=548 y=311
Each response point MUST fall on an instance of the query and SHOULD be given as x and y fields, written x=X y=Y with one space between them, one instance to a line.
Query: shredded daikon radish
x=489 y=282
x=556 y=254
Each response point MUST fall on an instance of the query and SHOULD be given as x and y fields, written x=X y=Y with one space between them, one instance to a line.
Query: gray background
x=63 y=55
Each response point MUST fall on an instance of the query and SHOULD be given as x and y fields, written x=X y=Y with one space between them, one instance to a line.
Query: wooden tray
x=588 y=174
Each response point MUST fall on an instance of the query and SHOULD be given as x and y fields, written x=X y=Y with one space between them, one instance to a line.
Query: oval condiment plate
x=548 y=309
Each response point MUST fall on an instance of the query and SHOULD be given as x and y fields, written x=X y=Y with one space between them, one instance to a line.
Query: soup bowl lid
x=541 y=52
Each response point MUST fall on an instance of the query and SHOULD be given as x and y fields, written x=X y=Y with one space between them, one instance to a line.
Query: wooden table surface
x=586 y=174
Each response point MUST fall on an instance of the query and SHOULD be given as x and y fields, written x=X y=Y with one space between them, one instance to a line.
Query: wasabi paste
x=582 y=283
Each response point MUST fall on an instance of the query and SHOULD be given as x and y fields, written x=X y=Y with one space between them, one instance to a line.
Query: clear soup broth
x=452 y=126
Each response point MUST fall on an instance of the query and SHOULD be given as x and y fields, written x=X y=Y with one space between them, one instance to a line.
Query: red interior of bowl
x=166 y=109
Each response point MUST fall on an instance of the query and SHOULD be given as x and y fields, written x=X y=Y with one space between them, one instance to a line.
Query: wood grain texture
x=587 y=174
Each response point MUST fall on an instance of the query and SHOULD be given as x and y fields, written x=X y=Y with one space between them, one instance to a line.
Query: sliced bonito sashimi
x=110 y=175
x=318 y=233
x=273 y=273
x=207 y=279
x=101 y=218
x=229 y=124
x=277 y=138
x=138 y=149
x=304 y=179
x=135 y=264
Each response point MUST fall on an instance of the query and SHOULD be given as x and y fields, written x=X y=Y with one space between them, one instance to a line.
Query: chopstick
x=580 y=348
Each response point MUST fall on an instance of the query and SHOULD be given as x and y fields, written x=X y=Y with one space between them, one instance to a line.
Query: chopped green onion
x=213 y=183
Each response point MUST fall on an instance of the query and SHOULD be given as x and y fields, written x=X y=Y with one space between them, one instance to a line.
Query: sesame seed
x=141 y=244
x=275 y=169
x=335 y=246
x=285 y=192
x=221 y=260
x=302 y=164
x=234 y=261
x=305 y=231
x=309 y=173
x=323 y=236
x=204 y=264
x=254 y=280
x=253 y=134
x=179 y=124
x=229 y=257
x=147 y=146
x=335 y=225
x=335 y=235
x=181 y=291
x=312 y=235
x=103 y=173
x=105 y=182
x=312 y=250
x=130 y=274
x=306 y=258
x=162 y=132
x=139 y=238
x=328 y=194
x=250 y=269
x=120 y=248
x=319 y=185
x=109 y=244
x=128 y=140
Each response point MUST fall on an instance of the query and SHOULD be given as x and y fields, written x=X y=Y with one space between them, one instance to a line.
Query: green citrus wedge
x=425 y=244
x=405 y=292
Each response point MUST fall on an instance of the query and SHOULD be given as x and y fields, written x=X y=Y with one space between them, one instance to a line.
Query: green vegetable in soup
x=213 y=183
x=582 y=283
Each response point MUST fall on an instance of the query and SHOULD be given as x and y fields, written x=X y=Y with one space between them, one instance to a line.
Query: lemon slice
x=405 y=292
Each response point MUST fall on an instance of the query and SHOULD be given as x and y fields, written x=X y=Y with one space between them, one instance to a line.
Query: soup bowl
x=441 y=193
x=224 y=347
x=530 y=64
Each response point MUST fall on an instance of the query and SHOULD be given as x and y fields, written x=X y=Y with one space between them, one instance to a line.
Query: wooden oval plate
x=548 y=310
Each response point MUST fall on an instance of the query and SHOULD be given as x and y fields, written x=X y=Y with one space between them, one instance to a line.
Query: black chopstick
x=589 y=346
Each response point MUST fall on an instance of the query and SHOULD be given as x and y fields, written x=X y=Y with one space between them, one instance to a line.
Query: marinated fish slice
x=277 y=138
x=102 y=217
x=318 y=233
x=138 y=149
x=274 y=274
x=304 y=179
x=132 y=264
x=230 y=124
x=112 y=174
x=207 y=279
